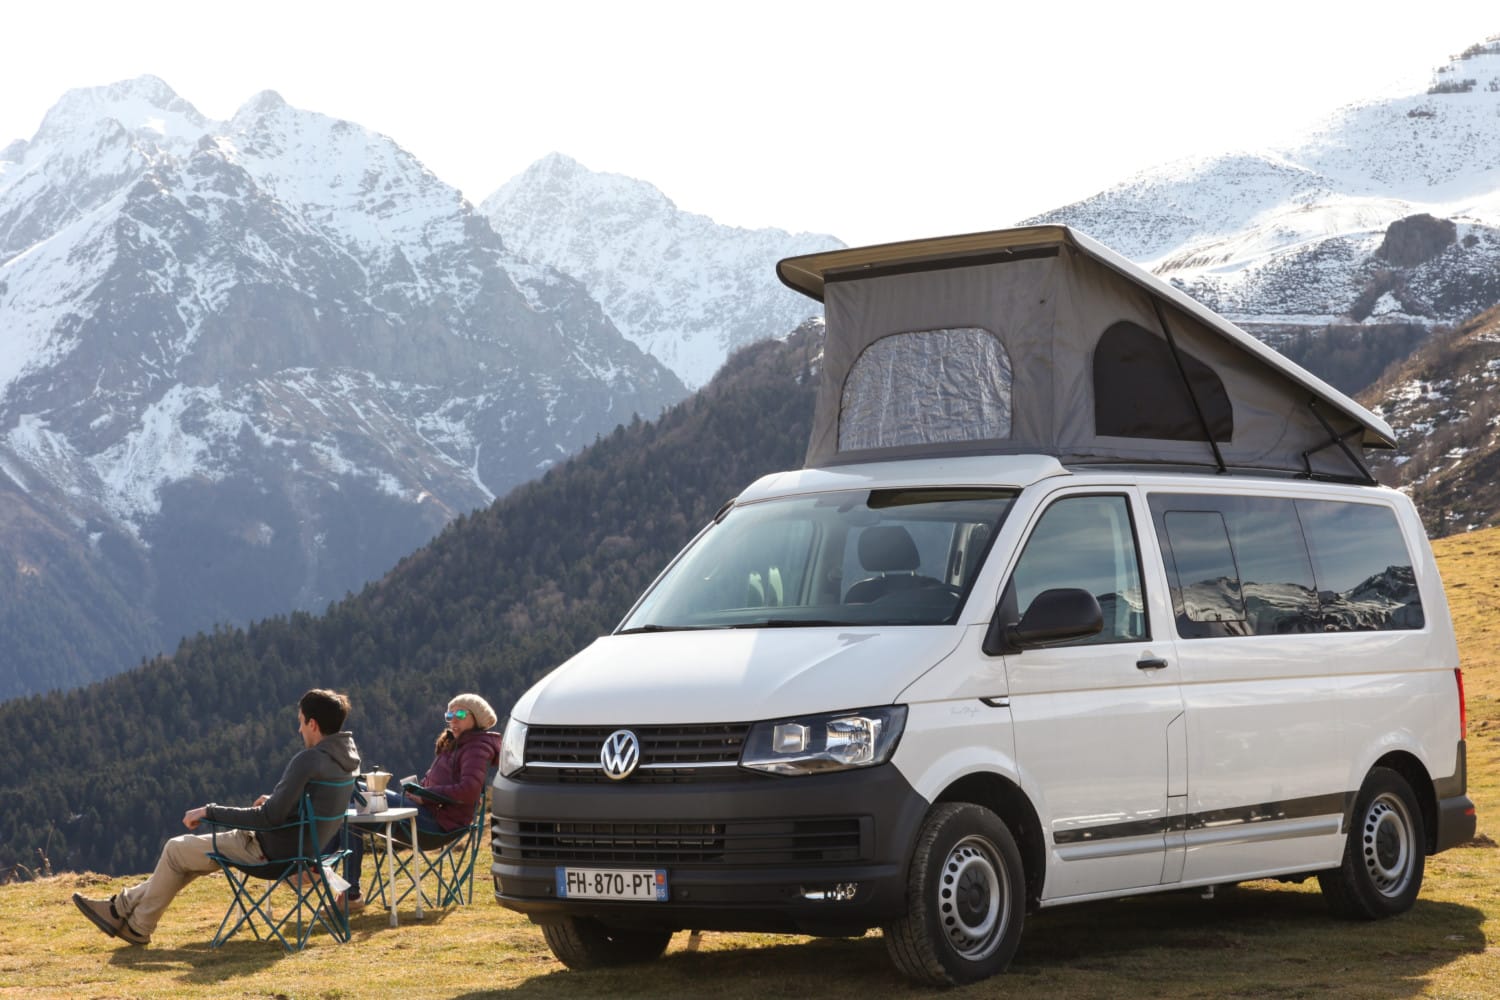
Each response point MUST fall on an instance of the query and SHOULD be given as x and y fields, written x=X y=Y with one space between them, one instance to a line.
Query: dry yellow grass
x=1258 y=940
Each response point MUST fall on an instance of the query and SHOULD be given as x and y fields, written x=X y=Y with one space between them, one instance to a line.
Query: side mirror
x=1059 y=615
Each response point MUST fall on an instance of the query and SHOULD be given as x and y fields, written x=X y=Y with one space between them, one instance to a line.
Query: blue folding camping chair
x=317 y=904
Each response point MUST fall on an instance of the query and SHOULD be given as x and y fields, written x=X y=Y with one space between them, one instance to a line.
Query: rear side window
x=1365 y=576
x=1277 y=566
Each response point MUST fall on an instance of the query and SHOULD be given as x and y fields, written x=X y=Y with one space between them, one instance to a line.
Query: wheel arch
x=1411 y=768
x=1006 y=800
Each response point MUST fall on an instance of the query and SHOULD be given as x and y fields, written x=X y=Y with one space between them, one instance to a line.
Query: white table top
x=389 y=816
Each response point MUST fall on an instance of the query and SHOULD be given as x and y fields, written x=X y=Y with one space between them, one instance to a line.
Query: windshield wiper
x=792 y=623
x=662 y=628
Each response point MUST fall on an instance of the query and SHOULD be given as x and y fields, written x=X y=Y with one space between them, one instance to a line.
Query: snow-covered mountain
x=1384 y=213
x=246 y=365
x=682 y=287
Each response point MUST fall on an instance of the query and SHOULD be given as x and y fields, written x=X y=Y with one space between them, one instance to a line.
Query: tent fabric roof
x=1047 y=294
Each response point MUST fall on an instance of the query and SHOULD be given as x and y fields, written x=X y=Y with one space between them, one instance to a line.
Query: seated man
x=328 y=754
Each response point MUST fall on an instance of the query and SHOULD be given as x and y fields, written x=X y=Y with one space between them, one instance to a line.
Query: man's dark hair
x=328 y=708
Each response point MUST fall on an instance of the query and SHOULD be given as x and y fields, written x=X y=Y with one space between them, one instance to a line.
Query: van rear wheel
x=966 y=899
x=1385 y=854
x=584 y=943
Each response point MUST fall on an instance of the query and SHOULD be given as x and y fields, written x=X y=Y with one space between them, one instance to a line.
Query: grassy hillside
x=1257 y=940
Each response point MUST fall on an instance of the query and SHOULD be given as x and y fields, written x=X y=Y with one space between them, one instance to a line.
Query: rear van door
x=1098 y=722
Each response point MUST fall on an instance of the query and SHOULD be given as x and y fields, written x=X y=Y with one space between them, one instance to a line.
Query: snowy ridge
x=682 y=287
x=1292 y=235
x=279 y=339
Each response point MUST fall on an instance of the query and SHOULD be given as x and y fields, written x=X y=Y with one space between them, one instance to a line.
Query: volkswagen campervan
x=1082 y=593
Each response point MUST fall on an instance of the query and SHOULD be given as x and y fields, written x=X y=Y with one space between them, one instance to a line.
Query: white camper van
x=1082 y=593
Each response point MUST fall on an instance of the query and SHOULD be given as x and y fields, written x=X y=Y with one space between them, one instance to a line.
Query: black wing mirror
x=1059 y=615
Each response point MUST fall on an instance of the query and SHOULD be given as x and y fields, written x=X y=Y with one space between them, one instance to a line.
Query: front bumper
x=820 y=854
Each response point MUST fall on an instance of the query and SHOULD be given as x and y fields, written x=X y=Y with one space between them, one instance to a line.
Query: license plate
x=646 y=884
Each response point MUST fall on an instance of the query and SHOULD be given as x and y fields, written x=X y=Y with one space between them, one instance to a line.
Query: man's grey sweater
x=335 y=758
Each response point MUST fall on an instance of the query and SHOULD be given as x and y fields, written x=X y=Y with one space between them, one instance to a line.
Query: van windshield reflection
x=850 y=558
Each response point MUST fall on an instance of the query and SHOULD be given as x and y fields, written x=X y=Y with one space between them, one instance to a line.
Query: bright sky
x=870 y=120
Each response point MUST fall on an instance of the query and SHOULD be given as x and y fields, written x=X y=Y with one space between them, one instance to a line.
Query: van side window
x=1205 y=562
x=1087 y=542
x=1366 y=581
x=1275 y=566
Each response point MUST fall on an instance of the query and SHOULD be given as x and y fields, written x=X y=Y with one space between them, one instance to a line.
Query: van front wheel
x=1384 y=858
x=965 y=897
x=584 y=943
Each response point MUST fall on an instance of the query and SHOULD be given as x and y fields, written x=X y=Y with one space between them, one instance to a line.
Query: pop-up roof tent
x=1042 y=341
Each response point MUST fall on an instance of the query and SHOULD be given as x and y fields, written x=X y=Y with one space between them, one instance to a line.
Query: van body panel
x=964 y=676
x=1265 y=744
x=732 y=675
x=946 y=741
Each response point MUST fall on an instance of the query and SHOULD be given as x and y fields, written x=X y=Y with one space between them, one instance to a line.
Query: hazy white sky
x=869 y=120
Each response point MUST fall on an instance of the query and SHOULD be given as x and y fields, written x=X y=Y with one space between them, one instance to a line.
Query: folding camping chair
x=448 y=857
x=317 y=903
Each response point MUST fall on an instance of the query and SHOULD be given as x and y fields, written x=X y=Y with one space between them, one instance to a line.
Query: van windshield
x=862 y=557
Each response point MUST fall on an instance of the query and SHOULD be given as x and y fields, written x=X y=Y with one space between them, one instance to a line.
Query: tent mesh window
x=927 y=387
x=1139 y=393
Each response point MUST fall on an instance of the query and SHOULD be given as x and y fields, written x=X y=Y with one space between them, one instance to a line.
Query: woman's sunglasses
x=457 y=713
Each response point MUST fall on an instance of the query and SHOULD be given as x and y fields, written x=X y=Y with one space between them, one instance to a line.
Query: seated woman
x=466 y=750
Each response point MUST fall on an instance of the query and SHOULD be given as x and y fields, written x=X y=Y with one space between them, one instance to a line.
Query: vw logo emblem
x=621 y=753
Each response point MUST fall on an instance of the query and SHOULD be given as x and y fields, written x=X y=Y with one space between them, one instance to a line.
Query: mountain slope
x=682 y=287
x=264 y=358
x=498 y=598
x=1384 y=217
x=1444 y=404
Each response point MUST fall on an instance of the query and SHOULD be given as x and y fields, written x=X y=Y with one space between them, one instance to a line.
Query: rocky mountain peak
x=265 y=102
x=682 y=287
x=144 y=105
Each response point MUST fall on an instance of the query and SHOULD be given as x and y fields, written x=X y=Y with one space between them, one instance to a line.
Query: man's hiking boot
x=101 y=912
x=104 y=916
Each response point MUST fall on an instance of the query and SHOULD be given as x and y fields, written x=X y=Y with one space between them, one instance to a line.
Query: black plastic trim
x=721 y=896
x=1332 y=804
x=1457 y=821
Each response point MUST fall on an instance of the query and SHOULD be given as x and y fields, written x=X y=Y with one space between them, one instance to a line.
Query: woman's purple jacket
x=459 y=774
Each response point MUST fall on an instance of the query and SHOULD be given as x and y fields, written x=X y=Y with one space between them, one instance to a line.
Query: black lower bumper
x=1456 y=821
x=822 y=854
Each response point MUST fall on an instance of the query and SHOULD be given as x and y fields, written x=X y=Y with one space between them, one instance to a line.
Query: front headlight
x=832 y=742
x=512 y=747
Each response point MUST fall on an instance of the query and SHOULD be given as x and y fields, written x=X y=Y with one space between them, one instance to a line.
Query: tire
x=584 y=943
x=1385 y=855
x=965 y=897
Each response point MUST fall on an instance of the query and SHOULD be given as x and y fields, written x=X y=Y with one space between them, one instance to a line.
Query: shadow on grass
x=245 y=955
x=1258 y=940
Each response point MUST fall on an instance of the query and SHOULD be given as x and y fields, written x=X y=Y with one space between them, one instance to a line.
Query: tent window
x=1138 y=391
x=927 y=387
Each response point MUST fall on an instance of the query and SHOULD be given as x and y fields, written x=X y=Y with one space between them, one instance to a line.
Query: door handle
x=1151 y=663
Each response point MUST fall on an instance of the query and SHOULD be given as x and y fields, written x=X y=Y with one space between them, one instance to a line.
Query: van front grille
x=669 y=754
x=736 y=844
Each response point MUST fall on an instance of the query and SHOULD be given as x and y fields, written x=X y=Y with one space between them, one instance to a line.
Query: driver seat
x=885 y=549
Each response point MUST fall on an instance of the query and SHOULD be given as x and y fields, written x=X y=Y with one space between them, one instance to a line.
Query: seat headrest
x=888 y=548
